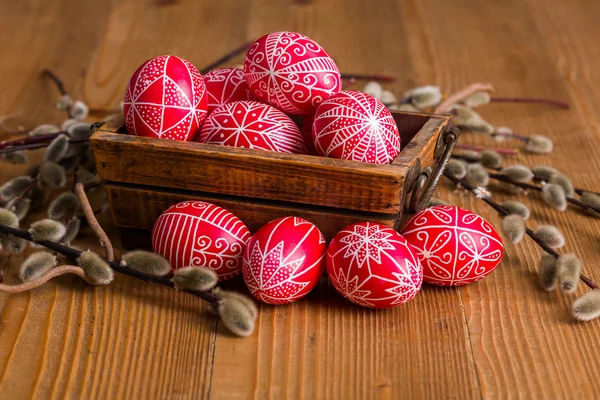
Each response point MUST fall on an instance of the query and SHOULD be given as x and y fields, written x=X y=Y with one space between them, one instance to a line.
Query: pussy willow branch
x=457 y=97
x=41 y=145
x=529 y=186
x=502 y=211
x=552 y=102
x=93 y=222
x=73 y=253
x=57 y=81
x=505 y=151
x=53 y=273
x=31 y=140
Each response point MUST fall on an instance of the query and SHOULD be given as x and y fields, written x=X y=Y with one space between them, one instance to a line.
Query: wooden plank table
x=500 y=338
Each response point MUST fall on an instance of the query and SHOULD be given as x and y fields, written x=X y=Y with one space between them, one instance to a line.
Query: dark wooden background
x=500 y=338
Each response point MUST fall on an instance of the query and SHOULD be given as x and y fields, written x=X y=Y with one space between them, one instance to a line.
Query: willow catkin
x=146 y=262
x=14 y=187
x=516 y=208
x=477 y=99
x=65 y=204
x=79 y=110
x=79 y=130
x=456 y=168
x=44 y=129
x=96 y=269
x=424 y=96
x=72 y=230
x=568 y=271
x=555 y=196
x=477 y=175
x=57 y=149
x=236 y=316
x=491 y=159
x=539 y=144
x=513 y=227
x=14 y=157
x=374 y=89
x=194 y=278
x=248 y=302
x=564 y=182
x=550 y=235
x=53 y=175
x=590 y=199
x=36 y=265
x=47 y=229
x=544 y=172
x=587 y=307
x=517 y=173
x=8 y=218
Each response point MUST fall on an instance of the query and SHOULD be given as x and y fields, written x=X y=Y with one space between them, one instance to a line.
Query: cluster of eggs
x=284 y=73
x=368 y=263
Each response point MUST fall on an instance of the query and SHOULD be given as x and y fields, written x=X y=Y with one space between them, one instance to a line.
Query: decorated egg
x=225 y=85
x=283 y=260
x=252 y=125
x=166 y=98
x=195 y=233
x=306 y=130
x=352 y=125
x=372 y=265
x=291 y=72
x=455 y=246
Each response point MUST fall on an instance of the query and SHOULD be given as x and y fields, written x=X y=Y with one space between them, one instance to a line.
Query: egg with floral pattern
x=455 y=246
x=165 y=98
x=372 y=265
x=225 y=85
x=284 y=260
x=196 y=233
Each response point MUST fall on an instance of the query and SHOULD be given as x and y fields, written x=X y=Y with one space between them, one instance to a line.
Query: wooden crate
x=144 y=176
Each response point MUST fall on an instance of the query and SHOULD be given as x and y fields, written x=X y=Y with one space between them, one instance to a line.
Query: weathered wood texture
x=499 y=338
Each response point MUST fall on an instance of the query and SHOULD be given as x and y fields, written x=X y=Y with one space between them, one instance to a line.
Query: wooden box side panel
x=139 y=207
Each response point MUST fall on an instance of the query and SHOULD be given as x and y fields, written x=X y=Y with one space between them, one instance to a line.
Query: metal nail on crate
x=144 y=176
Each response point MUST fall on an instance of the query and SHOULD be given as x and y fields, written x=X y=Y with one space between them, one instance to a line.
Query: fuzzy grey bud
x=235 y=316
x=87 y=179
x=544 y=172
x=517 y=173
x=550 y=235
x=477 y=175
x=547 y=272
x=374 y=89
x=36 y=265
x=44 y=129
x=388 y=97
x=67 y=124
x=47 y=229
x=513 y=227
x=79 y=110
x=247 y=301
x=539 y=144
x=555 y=196
x=564 y=182
x=406 y=107
x=21 y=208
x=14 y=188
x=195 y=278
x=96 y=269
x=491 y=159
x=424 y=96
x=79 y=130
x=591 y=199
x=64 y=102
x=146 y=262
x=587 y=307
x=14 y=157
x=456 y=168
x=53 y=175
x=72 y=230
x=477 y=99
x=65 y=204
x=516 y=208
x=57 y=149
x=568 y=271
x=8 y=218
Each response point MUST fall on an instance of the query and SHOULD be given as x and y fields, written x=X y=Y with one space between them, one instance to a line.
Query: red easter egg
x=283 y=260
x=195 y=233
x=372 y=265
x=352 y=125
x=225 y=85
x=455 y=246
x=252 y=125
x=291 y=72
x=307 y=135
x=166 y=98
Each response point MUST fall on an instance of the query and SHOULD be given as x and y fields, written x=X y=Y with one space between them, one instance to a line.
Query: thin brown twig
x=502 y=211
x=368 y=77
x=88 y=212
x=531 y=100
x=505 y=151
x=53 y=273
x=57 y=81
x=32 y=139
x=462 y=94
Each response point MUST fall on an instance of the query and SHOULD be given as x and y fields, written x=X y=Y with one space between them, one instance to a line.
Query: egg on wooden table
x=252 y=125
x=225 y=85
x=291 y=72
x=284 y=260
x=165 y=98
x=455 y=246
x=372 y=265
x=352 y=125
x=196 y=233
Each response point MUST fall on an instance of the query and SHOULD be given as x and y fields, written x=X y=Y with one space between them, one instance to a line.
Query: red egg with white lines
x=352 y=125
x=283 y=260
x=455 y=246
x=166 y=98
x=291 y=72
x=225 y=85
x=252 y=125
x=195 y=233
x=372 y=265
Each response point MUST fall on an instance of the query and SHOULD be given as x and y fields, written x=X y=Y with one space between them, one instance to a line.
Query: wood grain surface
x=500 y=338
